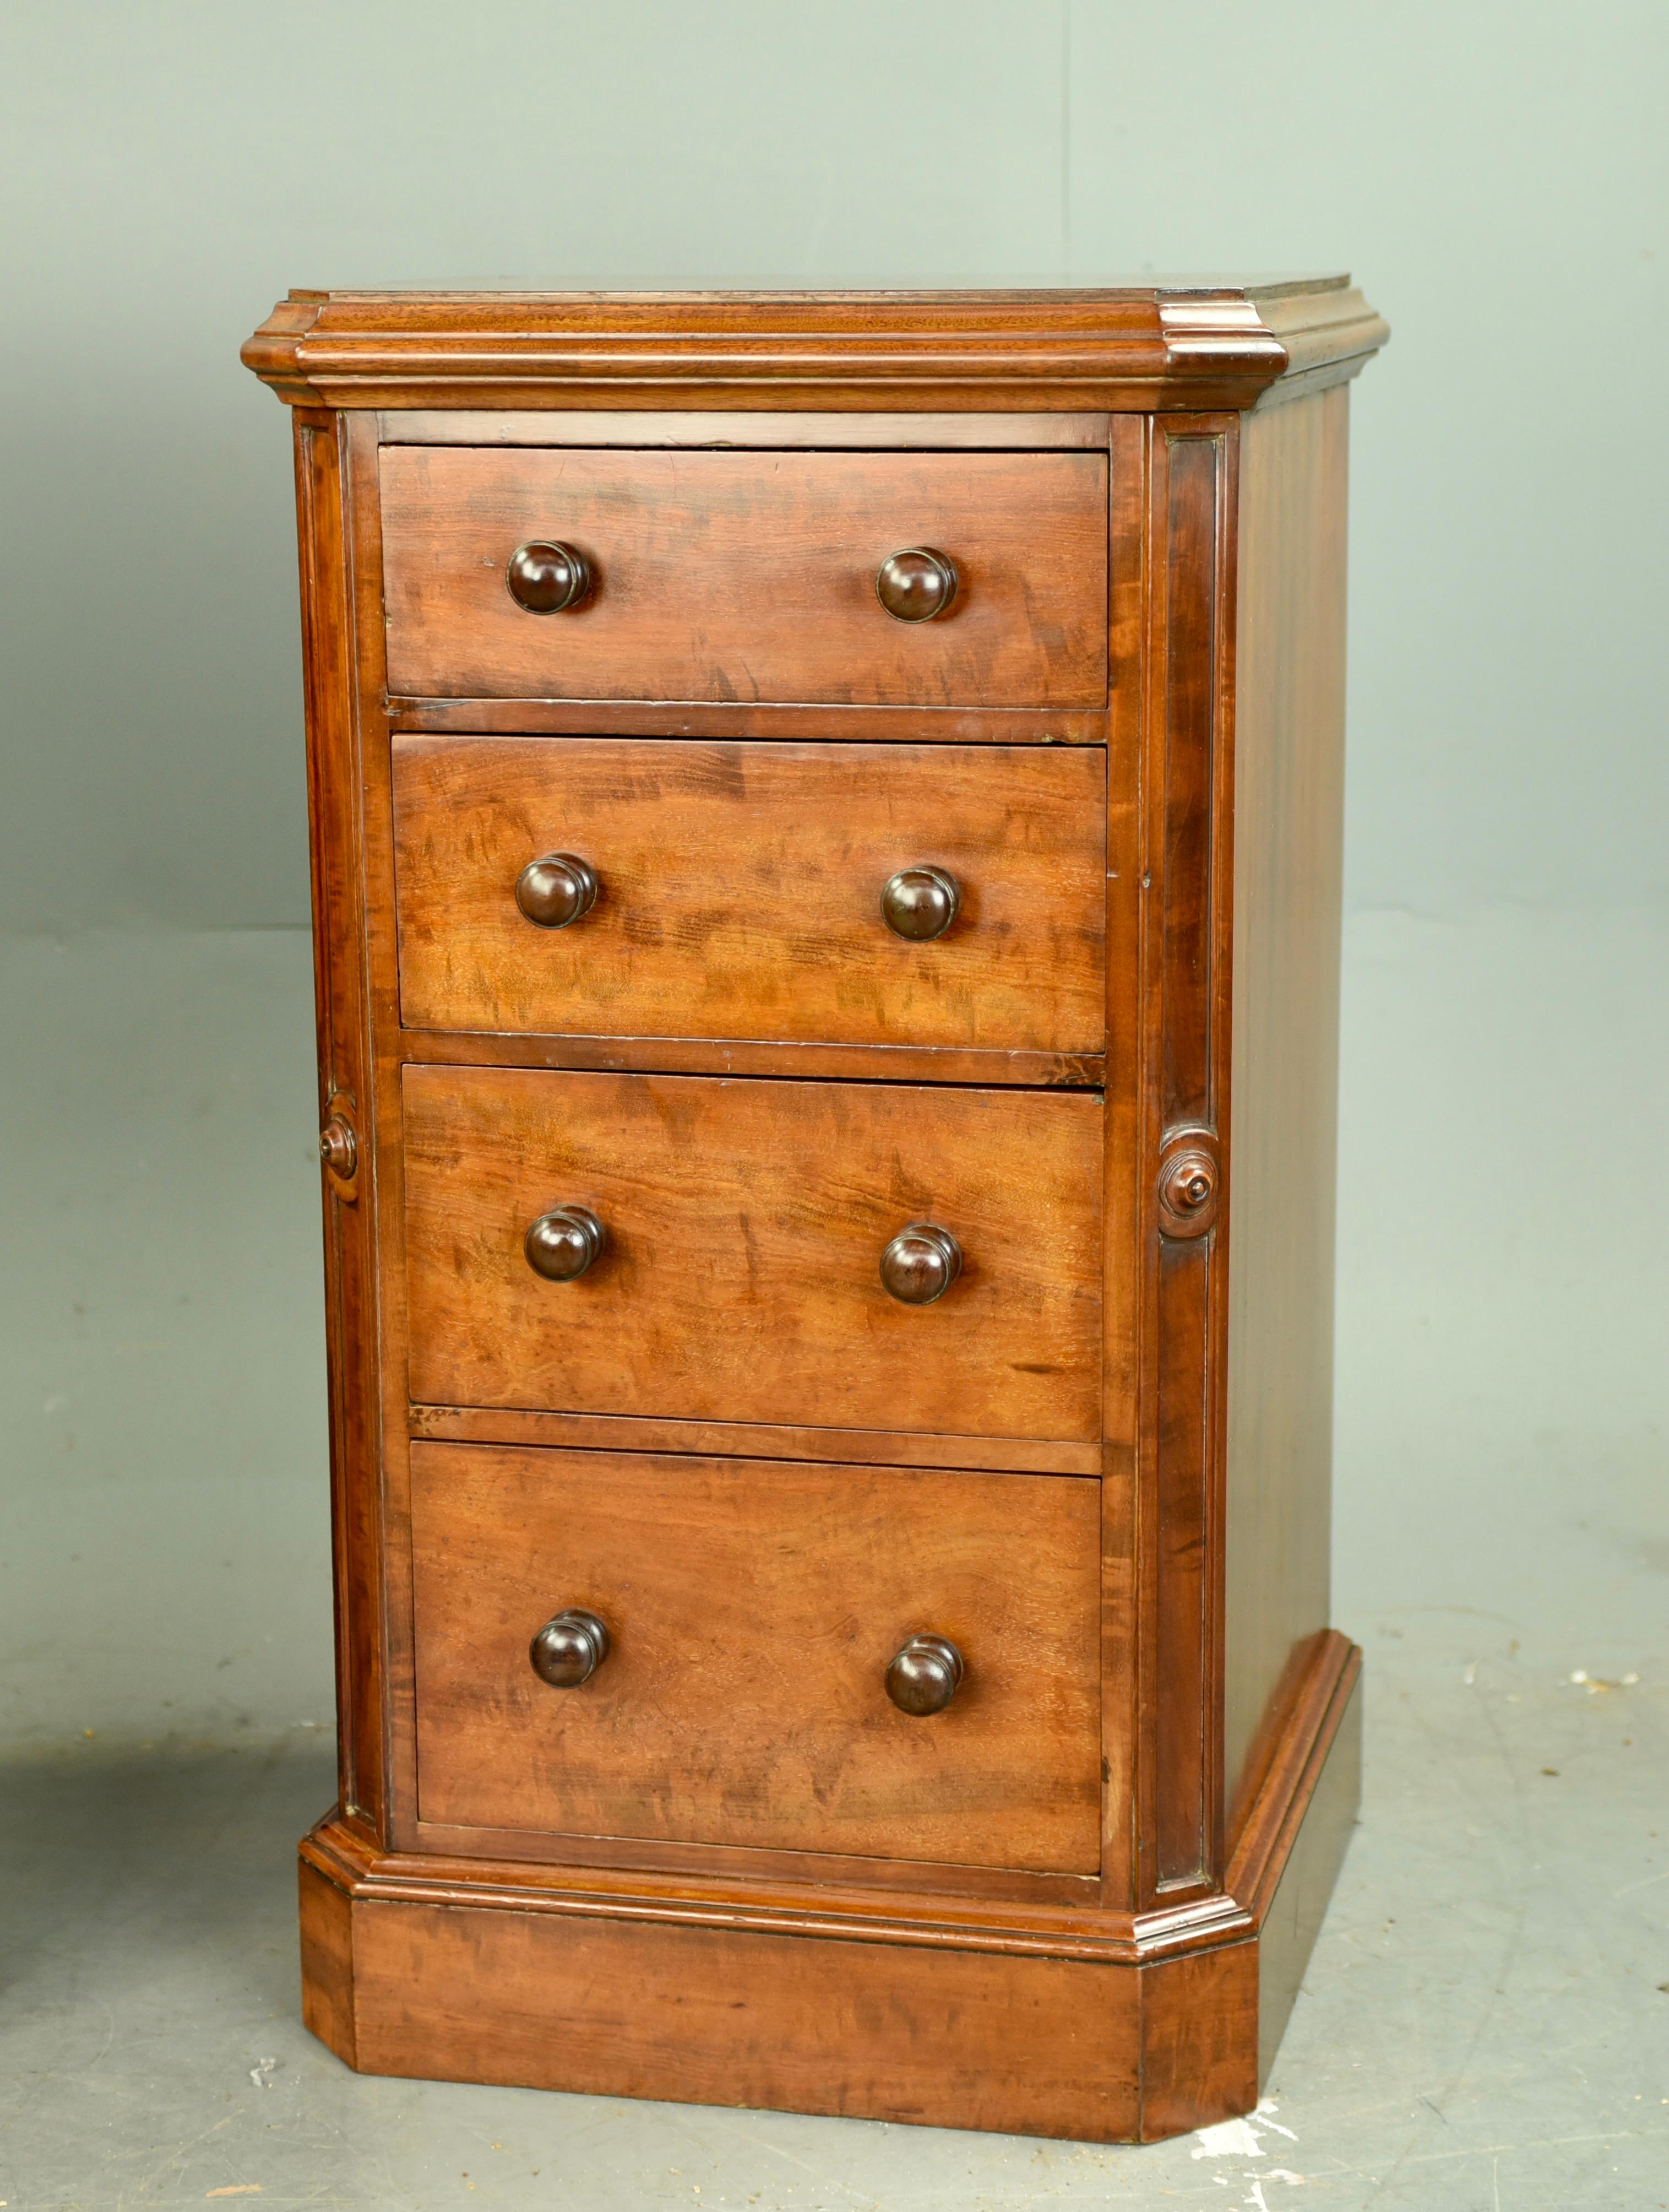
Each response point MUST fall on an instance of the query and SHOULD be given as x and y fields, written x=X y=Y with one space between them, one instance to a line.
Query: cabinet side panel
x=1288 y=808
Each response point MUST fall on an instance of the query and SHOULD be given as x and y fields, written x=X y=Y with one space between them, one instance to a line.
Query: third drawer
x=741 y=1229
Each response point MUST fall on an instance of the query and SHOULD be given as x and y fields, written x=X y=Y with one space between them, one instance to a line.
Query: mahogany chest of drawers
x=826 y=865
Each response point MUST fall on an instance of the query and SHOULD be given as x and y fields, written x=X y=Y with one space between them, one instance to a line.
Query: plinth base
x=635 y=1986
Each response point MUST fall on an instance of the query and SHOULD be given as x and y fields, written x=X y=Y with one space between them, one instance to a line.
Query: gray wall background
x=1495 y=176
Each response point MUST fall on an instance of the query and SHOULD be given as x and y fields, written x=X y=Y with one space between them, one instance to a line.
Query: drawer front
x=752 y=1615
x=740 y=891
x=747 y=576
x=745 y=1225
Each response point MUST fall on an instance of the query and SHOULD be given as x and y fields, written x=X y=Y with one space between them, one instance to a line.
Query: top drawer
x=743 y=577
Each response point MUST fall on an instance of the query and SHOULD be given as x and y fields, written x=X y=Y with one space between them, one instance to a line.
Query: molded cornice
x=1126 y=348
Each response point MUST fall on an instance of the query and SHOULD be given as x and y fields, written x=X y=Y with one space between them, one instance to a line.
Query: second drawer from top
x=843 y=894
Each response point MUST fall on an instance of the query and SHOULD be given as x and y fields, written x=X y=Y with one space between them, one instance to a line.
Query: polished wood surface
x=1147 y=343
x=752 y=1615
x=710 y=2016
x=328 y=1975
x=1288 y=846
x=730 y=1111
x=867 y=1900
x=699 y=718
x=353 y=1217
x=1198 y=1995
x=741 y=576
x=640 y=429
x=1321 y=1816
x=746 y=1221
x=651 y=1055
x=752 y=1440
x=1188 y=664
x=466 y=1986
x=741 y=890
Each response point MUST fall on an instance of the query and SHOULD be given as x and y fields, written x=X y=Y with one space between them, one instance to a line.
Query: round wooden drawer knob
x=925 y=1675
x=556 y=889
x=1190 y=1183
x=915 y=586
x=562 y=1243
x=338 y=1147
x=921 y=903
x=921 y=1264
x=546 y=579
x=569 y=1649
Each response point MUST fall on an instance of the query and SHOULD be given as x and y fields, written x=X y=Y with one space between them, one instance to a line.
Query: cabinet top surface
x=1184 y=343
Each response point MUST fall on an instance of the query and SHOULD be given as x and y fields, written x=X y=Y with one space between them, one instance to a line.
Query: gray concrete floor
x=1486 y=2021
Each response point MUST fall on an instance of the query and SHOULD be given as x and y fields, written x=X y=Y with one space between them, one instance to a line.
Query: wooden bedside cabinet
x=825 y=887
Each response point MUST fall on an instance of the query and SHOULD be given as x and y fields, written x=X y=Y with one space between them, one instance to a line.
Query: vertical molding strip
x=349 y=1222
x=1190 y=639
x=1125 y=1780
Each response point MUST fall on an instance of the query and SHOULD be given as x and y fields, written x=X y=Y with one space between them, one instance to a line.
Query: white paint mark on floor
x=1228 y=2139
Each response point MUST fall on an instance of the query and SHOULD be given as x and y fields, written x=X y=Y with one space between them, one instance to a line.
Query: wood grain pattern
x=750 y=1182
x=327 y=1962
x=932 y=1886
x=796 y=721
x=1150 y=343
x=925 y=1904
x=1126 y=1849
x=384 y=1306
x=728 y=2016
x=351 y=1228
x=501 y=1425
x=916 y=1903
x=1198 y=2038
x=1289 y=831
x=857 y=1063
x=740 y=576
x=1175 y=2014
x=752 y=1613
x=746 y=1223
x=1190 y=671
x=639 y=429
x=741 y=890
x=717 y=2017
x=1320 y=1690
x=1320 y=1820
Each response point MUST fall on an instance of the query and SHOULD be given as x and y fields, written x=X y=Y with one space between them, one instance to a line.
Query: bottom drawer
x=752 y=1613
